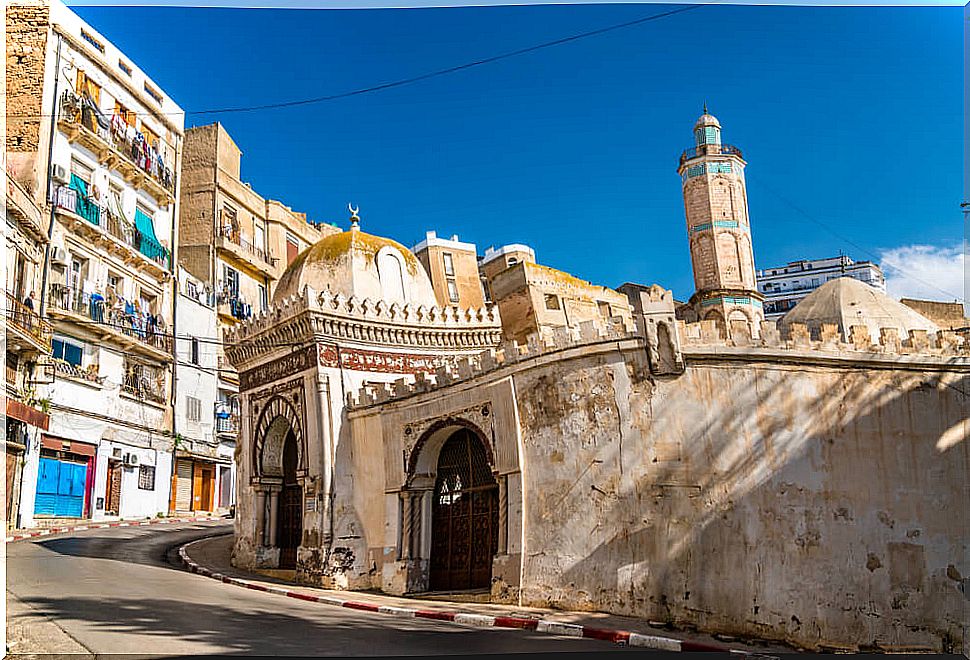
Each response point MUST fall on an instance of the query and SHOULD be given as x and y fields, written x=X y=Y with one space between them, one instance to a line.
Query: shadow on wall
x=814 y=509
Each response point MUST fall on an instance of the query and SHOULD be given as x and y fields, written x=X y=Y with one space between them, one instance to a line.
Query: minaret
x=716 y=204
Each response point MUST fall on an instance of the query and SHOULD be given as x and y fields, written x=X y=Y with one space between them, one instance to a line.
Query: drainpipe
x=50 y=183
x=173 y=266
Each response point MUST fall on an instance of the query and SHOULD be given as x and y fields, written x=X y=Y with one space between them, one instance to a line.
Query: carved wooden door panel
x=464 y=523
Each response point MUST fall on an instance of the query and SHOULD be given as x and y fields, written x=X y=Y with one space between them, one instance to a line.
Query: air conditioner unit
x=59 y=255
x=61 y=174
x=131 y=459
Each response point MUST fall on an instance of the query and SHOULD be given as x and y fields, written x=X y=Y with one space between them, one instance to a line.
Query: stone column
x=260 y=517
x=425 y=500
x=406 y=526
x=503 y=515
x=274 y=498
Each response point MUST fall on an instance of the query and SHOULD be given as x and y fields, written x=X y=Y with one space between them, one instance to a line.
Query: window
x=263 y=298
x=230 y=223
x=151 y=137
x=67 y=351
x=191 y=290
x=449 y=264
x=511 y=262
x=552 y=301
x=452 y=291
x=88 y=37
x=193 y=408
x=230 y=281
x=292 y=247
x=605 y=310
x=114 y=281
x=156 y=96
x=487 y=293
x=87 y=87
x=124 y=67
x=146 y=477
x=127 y=115
x=260 y=240
x=194 y=357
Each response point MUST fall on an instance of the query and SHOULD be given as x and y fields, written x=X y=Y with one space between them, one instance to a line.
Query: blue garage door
x=60 y=488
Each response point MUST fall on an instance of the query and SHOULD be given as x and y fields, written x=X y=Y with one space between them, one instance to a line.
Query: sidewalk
x=210 y=557
x=21 y=534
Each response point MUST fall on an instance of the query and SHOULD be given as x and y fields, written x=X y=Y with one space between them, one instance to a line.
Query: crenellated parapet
x=469 y=368
x=320 y=315
x=827 y=339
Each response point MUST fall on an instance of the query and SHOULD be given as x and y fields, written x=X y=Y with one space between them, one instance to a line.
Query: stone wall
x=27 y=33
x=808 y=491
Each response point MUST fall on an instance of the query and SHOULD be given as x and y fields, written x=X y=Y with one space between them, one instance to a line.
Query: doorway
x=464 y=518
x=112 y=496
x=290 y=508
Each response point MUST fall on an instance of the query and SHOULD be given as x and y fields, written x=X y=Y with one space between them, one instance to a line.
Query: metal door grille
x=464 y=528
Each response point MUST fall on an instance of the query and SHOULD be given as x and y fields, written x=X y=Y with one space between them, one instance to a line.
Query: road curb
x=471 y=619
x=118 y=523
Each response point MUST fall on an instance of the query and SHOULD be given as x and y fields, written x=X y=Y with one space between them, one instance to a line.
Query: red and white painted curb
x=118 y=523
x=469 y=619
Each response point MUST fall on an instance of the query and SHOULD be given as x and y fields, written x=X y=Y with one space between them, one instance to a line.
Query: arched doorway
x=290 y=506
x=464 y=516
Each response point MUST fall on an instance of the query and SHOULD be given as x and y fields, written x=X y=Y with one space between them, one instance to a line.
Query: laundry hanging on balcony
x=86 y=208
x=149 y=244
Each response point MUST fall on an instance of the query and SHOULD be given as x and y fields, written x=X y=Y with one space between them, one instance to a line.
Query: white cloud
x=928 y=272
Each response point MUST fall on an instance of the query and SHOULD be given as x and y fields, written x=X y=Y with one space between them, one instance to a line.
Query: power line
x=424 y=76
x=821 y=224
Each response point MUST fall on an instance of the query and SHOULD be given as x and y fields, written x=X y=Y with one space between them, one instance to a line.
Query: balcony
x=121 y=322
x=27 y=326
x=119 y=236
x=227 y=425
x=75 y=372
x=710 y=150
x=233 y=306
x=117 y=146
x=142 y=384
x=245 y=252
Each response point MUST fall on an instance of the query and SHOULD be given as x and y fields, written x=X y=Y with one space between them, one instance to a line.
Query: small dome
x=707 y=120
x=846 y=302
x=358 y=264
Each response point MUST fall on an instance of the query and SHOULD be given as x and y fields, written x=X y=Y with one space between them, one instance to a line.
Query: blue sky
x=852 y=115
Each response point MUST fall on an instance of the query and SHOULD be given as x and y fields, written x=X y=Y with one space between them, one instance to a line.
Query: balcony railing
x=144 y=386
x=710 y=150
x=90 y=374
x=29 y=322
x=114 y=132
x=72 y=200
x=238 y=308
x=227 y=424
x=121 y=317
x=236 y=239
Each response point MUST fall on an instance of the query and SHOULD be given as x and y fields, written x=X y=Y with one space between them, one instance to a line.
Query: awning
x=27 y=415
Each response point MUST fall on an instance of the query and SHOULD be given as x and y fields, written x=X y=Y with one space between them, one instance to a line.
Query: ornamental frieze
x=279 y=368
x=381 y=362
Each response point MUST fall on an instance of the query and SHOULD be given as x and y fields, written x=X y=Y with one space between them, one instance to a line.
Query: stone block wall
x=27 y=33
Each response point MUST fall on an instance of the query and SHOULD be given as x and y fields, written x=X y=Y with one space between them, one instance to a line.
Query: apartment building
x=452 y=266
x=114 y=139
x=785 y=286
x=497 y=260
x=28 y=339
x=204 y=470
x=236 y=244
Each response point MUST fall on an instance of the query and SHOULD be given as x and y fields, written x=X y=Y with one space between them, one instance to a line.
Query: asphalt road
x=122 y=590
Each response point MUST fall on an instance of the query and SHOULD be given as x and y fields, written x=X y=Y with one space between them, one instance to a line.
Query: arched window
x=390 y=270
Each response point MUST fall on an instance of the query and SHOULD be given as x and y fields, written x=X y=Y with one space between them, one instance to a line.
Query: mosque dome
x=846 y=302
x=355 y=263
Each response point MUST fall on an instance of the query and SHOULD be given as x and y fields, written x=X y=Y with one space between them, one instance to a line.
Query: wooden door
x=11 y=480
x=464 y=520
x=113 y=489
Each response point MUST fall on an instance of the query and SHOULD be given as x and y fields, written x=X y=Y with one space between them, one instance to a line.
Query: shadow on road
x=149 y=548
x=214 y=628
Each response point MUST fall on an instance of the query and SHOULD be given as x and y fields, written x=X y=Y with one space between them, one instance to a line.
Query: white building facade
x=108 y=287
x=785 y=286
x=204 y=474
